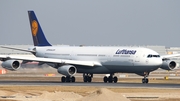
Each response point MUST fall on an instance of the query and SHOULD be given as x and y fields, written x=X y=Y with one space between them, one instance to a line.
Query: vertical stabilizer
x=39 y=38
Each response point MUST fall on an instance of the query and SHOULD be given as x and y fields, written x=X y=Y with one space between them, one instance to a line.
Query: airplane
x=88 y=60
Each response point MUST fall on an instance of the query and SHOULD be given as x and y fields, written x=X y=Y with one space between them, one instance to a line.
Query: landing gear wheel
x=105 y=79
x=145 y=80
x=87 y=77
x=73 y=79
x=68 y=79
x=63 y=79
x=110 y=79
x=115 y=79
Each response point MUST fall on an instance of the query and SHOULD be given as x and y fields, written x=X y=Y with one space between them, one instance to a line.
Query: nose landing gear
x=145 y=79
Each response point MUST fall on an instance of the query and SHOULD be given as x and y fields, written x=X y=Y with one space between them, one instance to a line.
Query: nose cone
x=157 y=62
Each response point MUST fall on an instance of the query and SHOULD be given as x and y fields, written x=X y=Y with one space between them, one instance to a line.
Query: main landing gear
x=110 y=79
x=68 y=79
x=87 y=77
x=145 y=79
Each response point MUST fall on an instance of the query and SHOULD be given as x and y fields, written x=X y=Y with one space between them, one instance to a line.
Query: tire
x=89 y=79
x=143 y=80
x=110 y=79
x=68 y=79
x=63 y=79
x=115 y=79
x=105 y=79
x=85 y=79
x=73 y=79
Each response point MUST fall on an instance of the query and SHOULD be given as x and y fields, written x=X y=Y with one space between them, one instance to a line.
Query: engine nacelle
x=168 y=65
x=68 y=70
x=11 y=65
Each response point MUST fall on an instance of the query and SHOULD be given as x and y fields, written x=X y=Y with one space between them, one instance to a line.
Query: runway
x=36 y=77
x=32 y=84
x=92 y=84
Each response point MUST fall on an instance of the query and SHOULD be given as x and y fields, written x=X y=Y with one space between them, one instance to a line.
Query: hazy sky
x=93 y=22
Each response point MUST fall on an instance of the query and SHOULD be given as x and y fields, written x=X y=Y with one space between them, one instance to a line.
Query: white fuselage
x=113 y=59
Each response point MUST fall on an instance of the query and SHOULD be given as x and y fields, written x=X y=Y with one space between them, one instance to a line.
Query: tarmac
x=39 y=83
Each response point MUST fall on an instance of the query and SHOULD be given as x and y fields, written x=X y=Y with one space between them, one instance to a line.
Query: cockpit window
x=150 y=56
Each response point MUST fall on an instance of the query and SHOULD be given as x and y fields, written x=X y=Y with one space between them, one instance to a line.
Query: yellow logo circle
x=34 y=27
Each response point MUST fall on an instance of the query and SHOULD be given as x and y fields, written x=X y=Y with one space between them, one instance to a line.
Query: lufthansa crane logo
x=34 y=27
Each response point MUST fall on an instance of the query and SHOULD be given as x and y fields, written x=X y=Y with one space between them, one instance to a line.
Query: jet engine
x=68 y=70
x=168 y=65
x=11 y=65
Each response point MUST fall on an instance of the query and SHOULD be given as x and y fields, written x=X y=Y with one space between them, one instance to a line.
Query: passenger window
x=154 y=55
x=150 y=56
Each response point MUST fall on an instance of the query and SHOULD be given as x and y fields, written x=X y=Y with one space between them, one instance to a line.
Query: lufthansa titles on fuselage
x=50 y=50
x=125 y=51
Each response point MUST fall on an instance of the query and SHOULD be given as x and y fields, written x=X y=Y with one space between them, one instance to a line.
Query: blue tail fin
x=38 y=36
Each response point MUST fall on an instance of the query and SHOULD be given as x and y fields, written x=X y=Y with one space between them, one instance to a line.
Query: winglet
x=39 y=38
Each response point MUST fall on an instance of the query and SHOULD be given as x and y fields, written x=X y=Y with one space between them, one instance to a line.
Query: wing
x=169 y=56
x=25 y=50
x=52 y=60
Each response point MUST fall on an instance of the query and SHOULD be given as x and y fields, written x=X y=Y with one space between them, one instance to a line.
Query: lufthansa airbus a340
x=89 y=60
